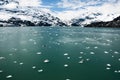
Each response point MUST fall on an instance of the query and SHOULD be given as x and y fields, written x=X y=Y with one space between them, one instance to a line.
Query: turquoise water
x=44 y=53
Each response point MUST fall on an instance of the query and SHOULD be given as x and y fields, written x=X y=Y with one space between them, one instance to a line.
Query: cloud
x=76 y=8
x=74 y=4
x=22 y=3
x=34 y=3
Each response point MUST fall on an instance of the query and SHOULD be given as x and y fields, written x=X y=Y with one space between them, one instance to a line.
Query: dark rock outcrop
x=113 y=23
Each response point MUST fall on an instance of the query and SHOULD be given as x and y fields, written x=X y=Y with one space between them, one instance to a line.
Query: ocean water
x=56 y=53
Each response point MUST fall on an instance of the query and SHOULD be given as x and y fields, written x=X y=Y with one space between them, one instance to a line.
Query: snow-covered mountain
x=90 y=17
x=18 y=13
x=12 y=14
x=114 y=23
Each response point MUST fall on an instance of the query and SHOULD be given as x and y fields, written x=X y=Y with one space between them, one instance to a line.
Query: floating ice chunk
x=9 y=76
x=116 y=71
x=108 y=68
x=41 y=70
x=68 y=57
x=76 y=43
x=81 y=61
x=14 y=49
x=106 y=52
x=2 y=58
x=31 y=40
x=35 y=32
x=21 y=63
x=87 y=59
x=109 y=65
x=34 y=67
x=65 y=65
x=119 y=71
x=67 y=79
x=66 y=54
x=56 y=34
x=80 y=57
x=10 y=54
x=24 y=49
x=34 y=43
x=108 y=40
x=50 y=33
x=81 y=52
x=92 y=53
x=119 y=59
x=95 y=47
x=46 y=61
x=87 y=47
x=1 y=71
x=39 y=53
x=112 y=56
x=57 y=43
x=14 y=61
x=116 y=52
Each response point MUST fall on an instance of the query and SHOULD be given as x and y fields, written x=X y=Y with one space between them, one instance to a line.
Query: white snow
x=11 y=5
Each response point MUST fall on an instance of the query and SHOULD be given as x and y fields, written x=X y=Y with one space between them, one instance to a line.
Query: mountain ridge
x=26 y=16
x=114 y=23
x=12 y=14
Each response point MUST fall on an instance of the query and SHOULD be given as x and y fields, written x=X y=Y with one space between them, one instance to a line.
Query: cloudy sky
x=68 y=9
x=60 y=5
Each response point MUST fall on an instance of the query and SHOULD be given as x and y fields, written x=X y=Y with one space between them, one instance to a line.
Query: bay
x=59 y=53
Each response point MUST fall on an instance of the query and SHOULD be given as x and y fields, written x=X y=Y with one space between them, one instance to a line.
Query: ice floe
x=81 y=61
x=67 y=79
x=2 y=58
x=15 y=62
x=109 y=65
x=39 y=53
x=41 y=70
x=66 y=54
x=1 y=71
x=68 y=57
x=46 y=61
x=106 y=52
x=34 y=67
x=108 y=68
x=92 y=53
x=65 y=65
x=9 y=76
x=21 y=63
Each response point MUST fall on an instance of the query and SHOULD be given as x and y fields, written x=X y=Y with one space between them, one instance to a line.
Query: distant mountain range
x=25 y=16
x=113 y=23
x=33 y=16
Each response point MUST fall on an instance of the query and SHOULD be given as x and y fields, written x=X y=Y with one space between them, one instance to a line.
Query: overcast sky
x=68 y=9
